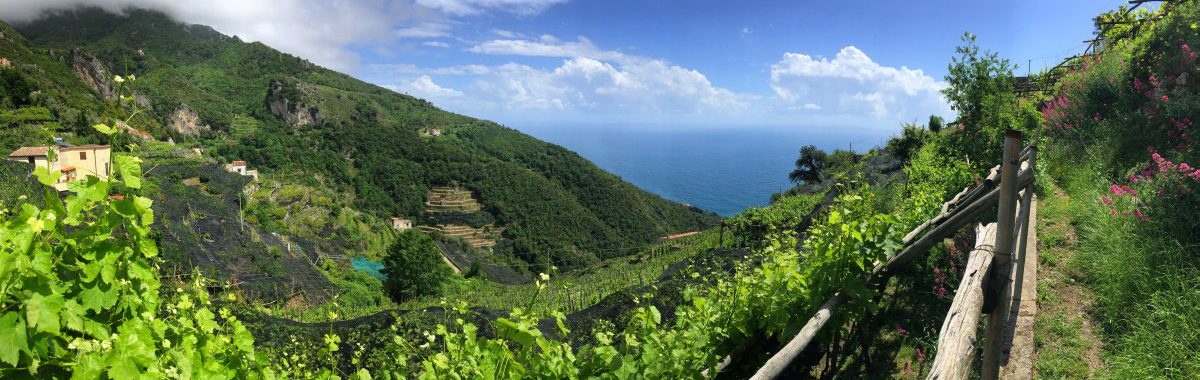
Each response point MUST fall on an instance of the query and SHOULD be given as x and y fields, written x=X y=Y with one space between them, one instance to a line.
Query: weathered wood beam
x=956 y=340
x=1001 y=277
x=775 y=366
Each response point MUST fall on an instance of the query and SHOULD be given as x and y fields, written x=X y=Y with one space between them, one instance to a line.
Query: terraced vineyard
x=445 y=200
x=572 y=291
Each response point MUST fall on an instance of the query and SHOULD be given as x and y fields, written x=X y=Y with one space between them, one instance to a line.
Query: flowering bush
x=1162 y=189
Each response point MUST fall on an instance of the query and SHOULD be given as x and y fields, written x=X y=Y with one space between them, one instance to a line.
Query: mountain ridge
x=315 y=127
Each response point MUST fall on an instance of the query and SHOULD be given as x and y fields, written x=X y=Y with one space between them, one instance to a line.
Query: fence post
x=1002 y=261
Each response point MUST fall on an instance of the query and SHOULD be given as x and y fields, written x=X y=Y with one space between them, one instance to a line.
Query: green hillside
x=314 y=128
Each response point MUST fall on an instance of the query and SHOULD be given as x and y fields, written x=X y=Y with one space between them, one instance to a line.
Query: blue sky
x=690 y=63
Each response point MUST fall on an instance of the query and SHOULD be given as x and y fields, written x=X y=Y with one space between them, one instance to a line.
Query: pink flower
x=1106 y=200
x=1140 y=216
x=1164 y=98
x=900 y=330
x=920 y=355
x=1113 y=211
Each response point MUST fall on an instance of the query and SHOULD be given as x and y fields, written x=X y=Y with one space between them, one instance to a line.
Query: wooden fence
x=988 y=286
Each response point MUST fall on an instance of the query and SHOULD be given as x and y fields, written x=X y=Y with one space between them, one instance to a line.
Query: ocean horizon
x=721 y=169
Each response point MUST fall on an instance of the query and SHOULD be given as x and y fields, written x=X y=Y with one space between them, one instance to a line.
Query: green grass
x=1061 y=347
x=568 y=292
x=1145 y=280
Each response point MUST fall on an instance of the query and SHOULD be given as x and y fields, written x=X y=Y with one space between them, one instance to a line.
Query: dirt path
x=1066 y=340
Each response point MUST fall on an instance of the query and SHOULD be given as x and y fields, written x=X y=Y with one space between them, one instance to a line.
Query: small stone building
x=240 y=167
x=399 y=223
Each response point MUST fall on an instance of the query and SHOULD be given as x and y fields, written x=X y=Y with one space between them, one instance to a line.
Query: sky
x=843 y=64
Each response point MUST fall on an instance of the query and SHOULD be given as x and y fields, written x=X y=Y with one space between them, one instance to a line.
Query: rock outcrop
x=285 y=102
x=186 y=122
x=93 y=73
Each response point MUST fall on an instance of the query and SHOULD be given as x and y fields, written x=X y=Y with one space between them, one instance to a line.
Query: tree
x=935 y=123
x=910 y=140
x=413 y=266
x=809 y=165
x=974 y=79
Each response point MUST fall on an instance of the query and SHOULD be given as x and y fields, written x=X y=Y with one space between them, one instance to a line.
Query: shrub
x=413 y=266
x=905 y=145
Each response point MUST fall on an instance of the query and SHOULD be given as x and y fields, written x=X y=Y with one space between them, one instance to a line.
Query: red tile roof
x=238 y=163
x=67 y=169
x=29 y=151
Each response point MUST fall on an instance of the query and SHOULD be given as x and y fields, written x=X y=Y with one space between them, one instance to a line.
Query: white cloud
x=424 y=30
x=546 y=46
x=584 y=86
x=589 y=81
x=436 y=44
x=322 y=31
x=506 y=33
x=423 y=87
x=471 y=7
x=401 y=69
x=853 y=84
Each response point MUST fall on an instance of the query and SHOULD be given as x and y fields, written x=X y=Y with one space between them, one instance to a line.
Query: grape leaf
x=12 y=338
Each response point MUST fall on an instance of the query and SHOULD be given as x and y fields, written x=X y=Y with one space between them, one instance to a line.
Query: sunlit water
x=724 y=170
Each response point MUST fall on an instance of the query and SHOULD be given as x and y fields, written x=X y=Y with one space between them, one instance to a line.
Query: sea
x=721 y=169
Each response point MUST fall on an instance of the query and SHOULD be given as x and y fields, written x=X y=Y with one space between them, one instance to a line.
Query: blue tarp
x=372 y=268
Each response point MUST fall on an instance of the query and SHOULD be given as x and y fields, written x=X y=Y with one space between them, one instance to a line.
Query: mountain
x=323 y=139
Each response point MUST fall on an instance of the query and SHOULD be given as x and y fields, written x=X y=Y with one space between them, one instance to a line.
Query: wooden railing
x=989 y=283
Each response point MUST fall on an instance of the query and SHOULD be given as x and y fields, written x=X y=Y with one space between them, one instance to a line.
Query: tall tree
x=809 y=165
x=413 y=266
x=974 y=78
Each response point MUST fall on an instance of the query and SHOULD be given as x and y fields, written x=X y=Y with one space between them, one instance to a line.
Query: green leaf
x=204 y=321
x=105 y=129
x=130 y=169
x=42 y=311
x=45 y=176
x=12 y=338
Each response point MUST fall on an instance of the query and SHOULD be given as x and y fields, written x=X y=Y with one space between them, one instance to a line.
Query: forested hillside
x=83 y=292
x=318 y=128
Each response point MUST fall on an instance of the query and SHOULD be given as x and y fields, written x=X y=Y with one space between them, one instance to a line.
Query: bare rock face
x=187 y=122
x=285 y=103
x=93 y=73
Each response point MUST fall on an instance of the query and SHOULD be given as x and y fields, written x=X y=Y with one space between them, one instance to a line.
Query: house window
x=31 y=160
x=106 y=169
x=82 y=155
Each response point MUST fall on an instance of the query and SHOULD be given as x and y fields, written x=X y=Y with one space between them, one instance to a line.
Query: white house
x=240 y=167
x=74 y=162
x=399 y=223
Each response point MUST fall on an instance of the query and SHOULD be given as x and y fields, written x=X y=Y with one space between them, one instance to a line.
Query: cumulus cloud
x=436 y=44
x=423 y=87
x=322 y=31
x=853 y=84
x=589 y=80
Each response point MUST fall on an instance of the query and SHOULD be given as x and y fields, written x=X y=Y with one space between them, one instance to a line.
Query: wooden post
x=775 y=366
x=1002 y=262
x=721 y=236
x=957 y=341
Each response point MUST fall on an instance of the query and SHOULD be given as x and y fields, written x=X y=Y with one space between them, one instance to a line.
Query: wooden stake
x=957 y=341
x=1001 y=276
